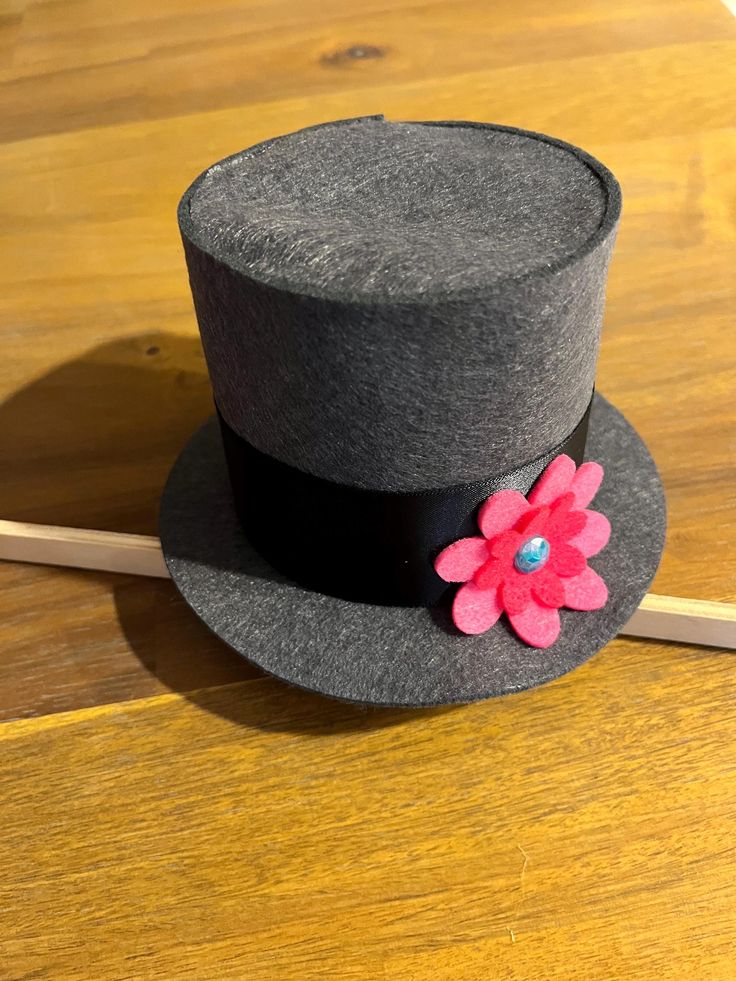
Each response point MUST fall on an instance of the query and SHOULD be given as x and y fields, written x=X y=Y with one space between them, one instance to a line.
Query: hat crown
x=402 y=306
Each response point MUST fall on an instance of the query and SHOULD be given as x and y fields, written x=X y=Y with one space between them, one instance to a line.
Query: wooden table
x=167 y=811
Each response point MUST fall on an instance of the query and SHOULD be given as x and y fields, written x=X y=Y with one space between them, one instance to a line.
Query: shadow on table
x=90 y=445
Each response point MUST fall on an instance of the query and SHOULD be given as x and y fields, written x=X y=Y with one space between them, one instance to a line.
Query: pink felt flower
x=532 y=556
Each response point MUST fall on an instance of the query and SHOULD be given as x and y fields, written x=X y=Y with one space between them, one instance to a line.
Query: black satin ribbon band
x=363 y=545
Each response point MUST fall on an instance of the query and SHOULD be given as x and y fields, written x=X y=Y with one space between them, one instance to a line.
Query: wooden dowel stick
x=688 y=621
x=80 y=548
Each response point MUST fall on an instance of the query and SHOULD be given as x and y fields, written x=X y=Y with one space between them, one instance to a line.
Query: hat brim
x=398 y=656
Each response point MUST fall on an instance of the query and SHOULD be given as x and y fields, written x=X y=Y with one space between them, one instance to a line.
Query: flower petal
x=501 y=512
x=566 y=560
x=586 y=591
x=475 y=610
x=459 y=561
x=490 y=574
x=586 y=482
x=574 y=522
x=594 y=535
x=554 y=481
x=504 y=547
x=538 y=626
x=534 y=522
x=516 y=593
x=547 y=588
x=560 y=512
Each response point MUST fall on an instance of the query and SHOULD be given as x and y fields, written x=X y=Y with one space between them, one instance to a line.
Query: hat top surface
x=380 y=210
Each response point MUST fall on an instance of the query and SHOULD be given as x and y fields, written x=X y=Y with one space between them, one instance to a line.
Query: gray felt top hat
x=401 y=323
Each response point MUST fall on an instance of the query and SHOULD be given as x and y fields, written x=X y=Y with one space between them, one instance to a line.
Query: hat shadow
x=91 y=443
x=92 y=440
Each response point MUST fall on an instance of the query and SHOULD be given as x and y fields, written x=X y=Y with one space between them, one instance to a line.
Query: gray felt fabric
x=402 y=306
x=379 y=209
x=388 y=655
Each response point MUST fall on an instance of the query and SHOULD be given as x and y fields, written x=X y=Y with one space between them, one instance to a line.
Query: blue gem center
x=532 y=555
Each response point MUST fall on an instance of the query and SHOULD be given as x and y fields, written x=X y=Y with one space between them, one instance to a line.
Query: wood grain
x=257 y=832
x=166 y=810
